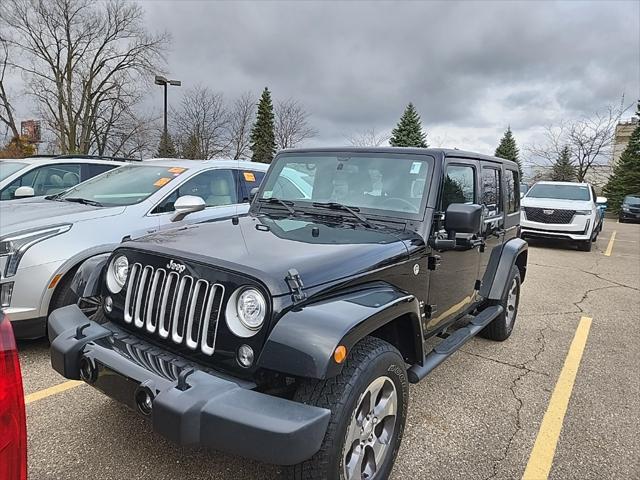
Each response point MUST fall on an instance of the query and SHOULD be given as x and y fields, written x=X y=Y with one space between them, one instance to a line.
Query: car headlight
x=626 y=209
x=583 y=212
x=252 y=308
x=246 y=311
x=15 y=245
x=117 y=273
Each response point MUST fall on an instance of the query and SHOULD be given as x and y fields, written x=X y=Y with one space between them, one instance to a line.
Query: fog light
x=6 y=290
x=245 y=356
x=144 y=401
x=108 y=304
x=88 y=372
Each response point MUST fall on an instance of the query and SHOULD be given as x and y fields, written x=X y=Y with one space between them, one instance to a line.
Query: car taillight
x=13 y=429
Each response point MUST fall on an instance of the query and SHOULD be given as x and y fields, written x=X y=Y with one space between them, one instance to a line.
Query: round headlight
x=117 y=273
x=251 y=308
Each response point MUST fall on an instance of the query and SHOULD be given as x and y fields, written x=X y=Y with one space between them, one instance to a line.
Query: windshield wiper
x=285 y=203
x=83 y=201
x=352 y=210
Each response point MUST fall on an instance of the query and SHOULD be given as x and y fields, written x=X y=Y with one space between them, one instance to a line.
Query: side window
x=459 y=185
x=249 y=179
x=91 y=170
x=491 y=200
x=25 y=180
x=50 y=179
x=512 y=183
x=215 y=187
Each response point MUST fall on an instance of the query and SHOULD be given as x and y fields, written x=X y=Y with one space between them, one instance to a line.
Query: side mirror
x=463 y=218
x=24 y=192
x=253 y=193
x=185 y=205
x=601 y=201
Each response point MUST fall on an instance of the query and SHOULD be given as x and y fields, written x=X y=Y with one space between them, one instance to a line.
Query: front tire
x=368 y=402
x=501 y=327
x=585 y=245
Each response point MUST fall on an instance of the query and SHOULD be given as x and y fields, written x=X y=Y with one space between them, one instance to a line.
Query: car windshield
x=9 y=168
x=558 y=191
x=632 y=200
x=372 y=183
x=125 y=185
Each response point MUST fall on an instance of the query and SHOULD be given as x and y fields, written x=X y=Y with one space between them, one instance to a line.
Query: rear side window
x=91 y=170
x=459 y=185
x=249 y=179
x=491 y=190
x=513 y=198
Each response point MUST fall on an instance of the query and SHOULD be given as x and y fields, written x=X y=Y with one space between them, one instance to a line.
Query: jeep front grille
x=549 y=215
x=170 y=306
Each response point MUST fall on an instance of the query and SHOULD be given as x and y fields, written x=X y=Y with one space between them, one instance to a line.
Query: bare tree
x=202 y=121
x=79 y=56
x=368 y=138
x=291 y=124
x=589 y=140
x=241 y=117
x=6 y=110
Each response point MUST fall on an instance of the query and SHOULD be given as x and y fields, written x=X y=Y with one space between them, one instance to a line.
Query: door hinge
x=294 y=281
x=433 y=262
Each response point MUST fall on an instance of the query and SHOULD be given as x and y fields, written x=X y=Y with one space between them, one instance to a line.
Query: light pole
x=160 y=80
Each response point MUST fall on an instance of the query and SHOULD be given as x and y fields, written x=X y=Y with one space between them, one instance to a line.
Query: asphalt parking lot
x=478 y=416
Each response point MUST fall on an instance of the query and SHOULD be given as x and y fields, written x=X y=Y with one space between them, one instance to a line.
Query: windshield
x=561 y=192
x=631 y=200
x=125 y=185
x=9 y=168
x=377 y=183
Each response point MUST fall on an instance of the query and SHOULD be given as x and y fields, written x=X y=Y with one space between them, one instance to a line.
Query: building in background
x=621 y=138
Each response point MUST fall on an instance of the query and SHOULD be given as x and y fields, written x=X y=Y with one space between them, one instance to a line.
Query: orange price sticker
x=176 y=170
x=161 y=182
x=249 y=176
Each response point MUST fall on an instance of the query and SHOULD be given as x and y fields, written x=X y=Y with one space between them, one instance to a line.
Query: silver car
x=40 y=176
x=43 y=243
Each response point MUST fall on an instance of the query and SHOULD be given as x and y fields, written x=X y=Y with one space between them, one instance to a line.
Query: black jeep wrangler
x=290 y=335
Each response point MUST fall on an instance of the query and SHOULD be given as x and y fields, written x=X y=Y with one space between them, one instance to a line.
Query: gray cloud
x=470 y=68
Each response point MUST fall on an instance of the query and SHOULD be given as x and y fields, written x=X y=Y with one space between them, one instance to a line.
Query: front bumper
x=190 y=405
x=629 y=215
x=581 y=228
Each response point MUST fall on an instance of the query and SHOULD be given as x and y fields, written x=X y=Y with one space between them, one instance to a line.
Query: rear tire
x=501 y=327
x=368 y=402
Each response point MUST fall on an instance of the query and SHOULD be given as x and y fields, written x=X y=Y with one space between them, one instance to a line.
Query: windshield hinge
x=294 y=281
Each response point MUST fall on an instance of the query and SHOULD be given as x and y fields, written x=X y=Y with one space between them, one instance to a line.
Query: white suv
x=562 y=210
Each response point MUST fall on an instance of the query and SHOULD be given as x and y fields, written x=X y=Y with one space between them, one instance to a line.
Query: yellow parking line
x=607 y=253
x=544 y=448
x=47 y=392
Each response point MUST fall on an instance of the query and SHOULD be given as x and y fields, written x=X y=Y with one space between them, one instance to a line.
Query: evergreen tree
x=563 y=169
x=508 y=149
x=263 y=141
x=625 y=179
x=166 y=148
x=408 y=132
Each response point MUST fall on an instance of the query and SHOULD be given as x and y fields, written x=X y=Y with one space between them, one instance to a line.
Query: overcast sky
x=470 y=68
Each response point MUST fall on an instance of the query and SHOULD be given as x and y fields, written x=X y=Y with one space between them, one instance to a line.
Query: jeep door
x=493 y=215
x=452 y=283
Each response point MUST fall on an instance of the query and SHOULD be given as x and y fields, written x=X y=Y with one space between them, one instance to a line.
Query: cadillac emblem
x=548 y=212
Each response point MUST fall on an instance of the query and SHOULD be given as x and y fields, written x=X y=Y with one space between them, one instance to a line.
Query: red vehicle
x=13 y=427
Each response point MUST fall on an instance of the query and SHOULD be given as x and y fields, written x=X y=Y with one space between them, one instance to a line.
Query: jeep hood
x=267 y=248
x=19 y=216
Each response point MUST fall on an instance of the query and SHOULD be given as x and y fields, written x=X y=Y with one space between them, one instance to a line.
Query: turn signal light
x=340 y=354
x=13 y=429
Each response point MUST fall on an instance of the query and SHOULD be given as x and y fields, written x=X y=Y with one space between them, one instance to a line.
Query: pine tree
x=190 y=148
x=263 y=142
x=563 y=169
x=508 y=149
x=408 y=132
x=625 y=179
x=166 y=148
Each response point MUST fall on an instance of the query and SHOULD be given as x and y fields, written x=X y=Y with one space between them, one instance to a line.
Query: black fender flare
x=499 y=267
x=304 y=340
x=86 y=281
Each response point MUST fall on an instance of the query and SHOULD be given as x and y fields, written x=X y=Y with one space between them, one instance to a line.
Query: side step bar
x=453 y=342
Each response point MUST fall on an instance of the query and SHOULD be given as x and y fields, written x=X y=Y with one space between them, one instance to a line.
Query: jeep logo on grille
x=178 y=267
x=548 y=212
